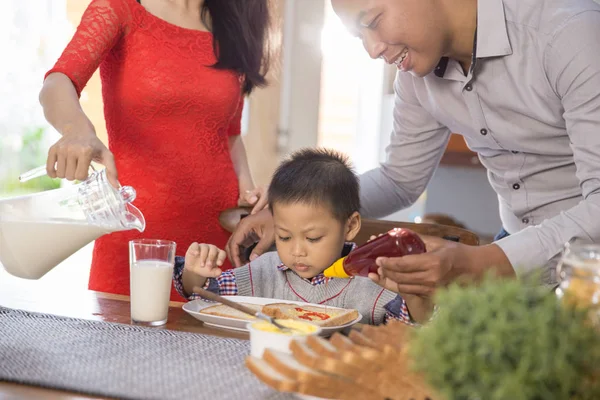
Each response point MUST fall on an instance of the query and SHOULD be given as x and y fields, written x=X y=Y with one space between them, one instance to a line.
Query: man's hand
x=253 y=228
x=419 y=307
x=443 y=263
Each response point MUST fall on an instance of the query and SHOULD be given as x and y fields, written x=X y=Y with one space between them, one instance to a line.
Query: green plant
x=505 y=339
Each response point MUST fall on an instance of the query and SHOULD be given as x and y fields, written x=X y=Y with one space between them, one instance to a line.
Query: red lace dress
x=169 y=116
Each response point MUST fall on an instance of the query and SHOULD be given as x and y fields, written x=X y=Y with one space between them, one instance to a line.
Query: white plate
x=195 y=306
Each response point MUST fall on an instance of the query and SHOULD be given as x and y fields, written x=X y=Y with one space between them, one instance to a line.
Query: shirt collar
x=491 y=35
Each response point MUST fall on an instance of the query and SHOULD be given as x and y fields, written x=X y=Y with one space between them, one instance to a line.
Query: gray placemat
x=124 y=361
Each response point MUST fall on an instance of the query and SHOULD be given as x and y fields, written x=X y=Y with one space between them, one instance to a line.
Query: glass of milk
x=151 y=269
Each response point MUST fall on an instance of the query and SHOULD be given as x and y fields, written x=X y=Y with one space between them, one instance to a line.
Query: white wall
x=303 y=63
x=465 y=194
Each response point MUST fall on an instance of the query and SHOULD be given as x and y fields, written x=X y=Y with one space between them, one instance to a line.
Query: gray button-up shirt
x=530 y=107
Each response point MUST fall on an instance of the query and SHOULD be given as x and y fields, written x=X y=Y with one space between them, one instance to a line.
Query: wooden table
x=85 y=305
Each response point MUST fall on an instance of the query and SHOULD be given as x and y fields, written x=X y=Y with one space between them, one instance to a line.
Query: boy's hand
x=204 y=260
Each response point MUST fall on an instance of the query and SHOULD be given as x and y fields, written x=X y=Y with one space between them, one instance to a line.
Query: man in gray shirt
x=520 y=80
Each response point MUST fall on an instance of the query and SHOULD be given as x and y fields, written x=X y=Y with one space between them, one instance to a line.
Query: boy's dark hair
x=317 y=176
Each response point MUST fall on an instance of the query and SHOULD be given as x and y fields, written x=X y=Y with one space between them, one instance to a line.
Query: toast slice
x=322 y=346
x=221 y=310
x=321 y=316
x=322 y=384
x=287 y=365
x=269 y=375
x=370 y=377
x=305 y=355
x=358 y=366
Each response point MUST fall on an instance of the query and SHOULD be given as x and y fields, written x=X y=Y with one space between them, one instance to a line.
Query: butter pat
x=296 y=327
x=264 y=335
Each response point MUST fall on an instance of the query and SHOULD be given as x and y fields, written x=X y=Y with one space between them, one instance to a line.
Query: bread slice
x=321 y=316
x=221 y=310
x=340 y=342
x=312 y=382
x=314 y=360
x=286 y=364
x=322 y=346
x=369 y=364
x=309 y=381
x=354 y=354
x=269 y=375
x=370 y=377
x=386 y=337
x=362 y=340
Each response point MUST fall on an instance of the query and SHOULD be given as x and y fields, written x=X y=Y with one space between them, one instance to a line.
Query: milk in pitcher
x=29 y=249
x=40 y=230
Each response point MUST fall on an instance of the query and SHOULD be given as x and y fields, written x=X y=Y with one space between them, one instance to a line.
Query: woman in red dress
x=174 y=74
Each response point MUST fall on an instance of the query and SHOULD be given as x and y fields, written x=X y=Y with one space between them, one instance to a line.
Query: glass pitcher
x=39 y=231
x=579 y=275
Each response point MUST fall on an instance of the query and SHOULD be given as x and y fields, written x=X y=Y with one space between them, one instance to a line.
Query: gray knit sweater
x=262 y=278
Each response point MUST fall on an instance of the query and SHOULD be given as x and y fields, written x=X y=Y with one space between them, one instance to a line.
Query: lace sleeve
x=100 y=28
x=235 y=126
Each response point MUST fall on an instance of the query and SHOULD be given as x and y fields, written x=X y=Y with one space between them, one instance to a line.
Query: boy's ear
x=353 y=226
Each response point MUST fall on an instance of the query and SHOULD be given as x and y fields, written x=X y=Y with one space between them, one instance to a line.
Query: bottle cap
x=336 y=270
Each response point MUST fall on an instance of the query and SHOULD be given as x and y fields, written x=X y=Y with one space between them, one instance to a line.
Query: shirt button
x=469 y=87
x=525 y=220
x=516 y=186
x=483 y=131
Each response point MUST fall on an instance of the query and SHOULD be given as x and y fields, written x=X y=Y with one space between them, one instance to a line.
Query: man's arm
x=572 y=65
x=417 y=144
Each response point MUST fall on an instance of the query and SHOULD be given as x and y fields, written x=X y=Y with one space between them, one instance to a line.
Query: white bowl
x=261 y=340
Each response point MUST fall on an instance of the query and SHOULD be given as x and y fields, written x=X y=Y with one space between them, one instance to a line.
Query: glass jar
x=579 y=275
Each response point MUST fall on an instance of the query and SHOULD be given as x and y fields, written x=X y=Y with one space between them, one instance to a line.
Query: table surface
x=86 y=305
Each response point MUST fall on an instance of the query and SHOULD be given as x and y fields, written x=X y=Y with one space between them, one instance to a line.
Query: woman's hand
x=70 y=157
x=256 y=198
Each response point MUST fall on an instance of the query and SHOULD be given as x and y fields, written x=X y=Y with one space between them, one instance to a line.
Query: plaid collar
x=320 y=278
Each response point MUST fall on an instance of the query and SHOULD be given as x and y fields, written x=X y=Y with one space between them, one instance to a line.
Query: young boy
x=314 y=198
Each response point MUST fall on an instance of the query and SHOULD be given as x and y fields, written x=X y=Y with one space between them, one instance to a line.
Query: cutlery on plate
x=240 y=307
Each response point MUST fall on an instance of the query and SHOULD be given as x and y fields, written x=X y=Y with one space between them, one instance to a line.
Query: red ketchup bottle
x=396 y=243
